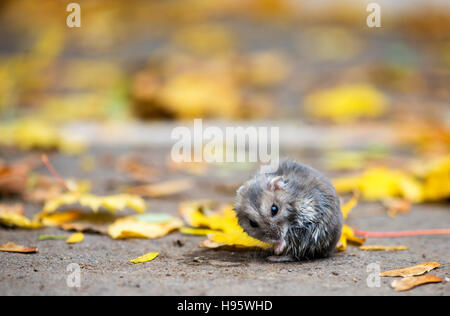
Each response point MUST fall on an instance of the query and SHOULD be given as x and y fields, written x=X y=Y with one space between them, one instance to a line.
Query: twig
x=55 y=174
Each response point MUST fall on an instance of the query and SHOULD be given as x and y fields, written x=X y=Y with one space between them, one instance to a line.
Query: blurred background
x=135 y=69
x=245 y=59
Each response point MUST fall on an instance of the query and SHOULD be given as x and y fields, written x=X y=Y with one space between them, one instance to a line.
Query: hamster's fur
x=296 y=208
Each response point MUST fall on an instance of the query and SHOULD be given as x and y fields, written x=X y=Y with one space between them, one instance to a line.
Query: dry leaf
x=136 y=170
x=381 y=183
x=162 y=189
x=238 y=239
x=79 y=221
x=348 y=235
x=41 y=189
x=58 y=219
x=412 y=271
x=13 y=219
x=13 y=247
x=147 y=257
x=396 y=206
x=12 y=208
x=408 y=283
x=75 y=238
x=346 y=103
x=13 y=178
x=32 y=133
x=224 y=225
x=350 y=205
x=130 y=227
x=111 y=203
x=382 y=248
x=436 y=184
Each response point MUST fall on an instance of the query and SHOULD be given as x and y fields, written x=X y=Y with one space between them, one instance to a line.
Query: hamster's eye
x=274 y=210
x=253 y=224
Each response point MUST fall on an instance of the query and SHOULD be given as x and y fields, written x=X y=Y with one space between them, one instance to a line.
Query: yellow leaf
x=206 y=38
x=408 y=283
x=75 y=238
x=224 y=226
x=13 y=247
x=381 y=183
x=347 y=207
x=60 y=218
x=346 y=103
x=130 y=227
x=17 y=220
x=237 y=238
x=348 y=235
x=32 y=133
x=147 y=257
x=437 y=179
x=382 y=248
x=111 y=203
x=412 y=271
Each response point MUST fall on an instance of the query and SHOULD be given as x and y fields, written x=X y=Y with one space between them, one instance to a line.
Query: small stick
x=55 y=174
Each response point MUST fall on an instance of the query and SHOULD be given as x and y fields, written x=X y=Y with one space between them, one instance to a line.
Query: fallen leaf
x=223 y=224
x=13 y=247
x=57 y=219
x=237 y=238
x=79 y=221
x=348 y=235
x=397 y=206
x=12 y=208
x=14 y=219
x=346 y=103
x=145 y=258
x=41 y=189
x=205 y=38
x=379 y=183
x=130 y=227
x=111 y=203
x=350 y=205
x=137 y=170
x=162 y=189
x=13 y=178
x=412 y=271
x=408 y=283
x=51 y=237
x=30 y=133
x=382 y=248
x=436 y=183
x=75 y=238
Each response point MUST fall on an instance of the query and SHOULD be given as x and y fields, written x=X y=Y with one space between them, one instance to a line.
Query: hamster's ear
x=240 y=190
x=277 y=183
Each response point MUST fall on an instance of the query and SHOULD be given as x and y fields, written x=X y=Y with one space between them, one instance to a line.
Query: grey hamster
x=296 y=208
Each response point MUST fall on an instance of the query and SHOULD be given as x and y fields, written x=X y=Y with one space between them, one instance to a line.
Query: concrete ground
x=185 y=269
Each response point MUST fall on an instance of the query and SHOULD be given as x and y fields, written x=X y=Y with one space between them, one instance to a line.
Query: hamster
x=296 y=208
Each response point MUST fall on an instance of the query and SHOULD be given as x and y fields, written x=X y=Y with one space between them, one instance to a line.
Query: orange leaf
x=408 y=283
x=412 y=271
x=12 y=247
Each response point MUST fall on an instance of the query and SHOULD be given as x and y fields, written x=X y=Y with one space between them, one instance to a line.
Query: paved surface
x=105 y=269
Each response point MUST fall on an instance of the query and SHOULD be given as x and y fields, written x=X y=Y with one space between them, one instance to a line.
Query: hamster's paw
x=280 y=259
